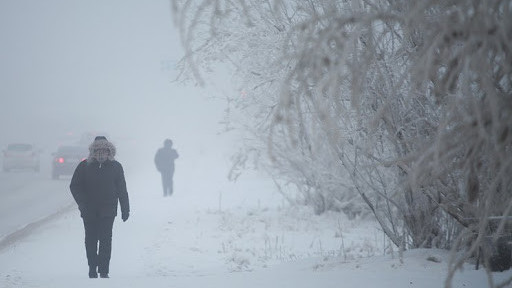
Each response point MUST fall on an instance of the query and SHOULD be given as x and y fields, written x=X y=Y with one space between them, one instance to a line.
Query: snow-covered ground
x=242 y=236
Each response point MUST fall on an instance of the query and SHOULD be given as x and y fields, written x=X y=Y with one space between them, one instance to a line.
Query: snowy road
x=167 y=242
x=191 y=240
x=26 y=197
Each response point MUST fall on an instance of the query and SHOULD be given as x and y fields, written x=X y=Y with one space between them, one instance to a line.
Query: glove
x=125 y=216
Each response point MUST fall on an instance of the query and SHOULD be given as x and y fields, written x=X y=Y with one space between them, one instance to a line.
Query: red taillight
x=60 y=160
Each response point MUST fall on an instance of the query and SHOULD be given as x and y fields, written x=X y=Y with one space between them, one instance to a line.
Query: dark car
x=66 y=159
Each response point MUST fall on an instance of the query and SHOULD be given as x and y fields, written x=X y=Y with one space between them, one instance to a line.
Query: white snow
x=252 y=240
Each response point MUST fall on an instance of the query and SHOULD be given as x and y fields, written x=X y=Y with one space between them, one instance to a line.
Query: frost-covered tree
x=255 y=54
x=407 y=104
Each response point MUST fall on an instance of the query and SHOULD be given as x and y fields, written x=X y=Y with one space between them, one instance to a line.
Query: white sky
x=69 y=66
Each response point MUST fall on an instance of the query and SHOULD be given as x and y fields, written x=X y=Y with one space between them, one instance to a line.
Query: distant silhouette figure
x=164 y=161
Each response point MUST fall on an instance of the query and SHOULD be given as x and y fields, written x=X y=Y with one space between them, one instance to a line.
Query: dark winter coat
x=164 y=159
x=98 y=187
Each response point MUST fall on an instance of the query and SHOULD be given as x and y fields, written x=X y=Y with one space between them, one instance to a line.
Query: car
x=20 y=156
x=66 y=159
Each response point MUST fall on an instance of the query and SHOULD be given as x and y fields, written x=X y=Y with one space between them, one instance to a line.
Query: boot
x=92 y=272
x=104 y=275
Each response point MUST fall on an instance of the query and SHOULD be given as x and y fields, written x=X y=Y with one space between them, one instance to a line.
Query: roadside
x=180 y=242
x=25 y=231
x=28 y=197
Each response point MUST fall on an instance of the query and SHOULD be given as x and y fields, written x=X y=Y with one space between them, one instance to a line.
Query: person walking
x=97 y=185
x=164 y=161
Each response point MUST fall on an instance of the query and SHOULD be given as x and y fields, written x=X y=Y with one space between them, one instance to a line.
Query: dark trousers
x=98 y=230
x=167 y=183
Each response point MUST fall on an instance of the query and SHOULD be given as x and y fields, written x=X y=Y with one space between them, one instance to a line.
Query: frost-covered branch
x=404 y=107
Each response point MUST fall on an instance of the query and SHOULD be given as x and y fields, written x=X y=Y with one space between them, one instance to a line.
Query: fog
x=104 y=67
x=70 y=67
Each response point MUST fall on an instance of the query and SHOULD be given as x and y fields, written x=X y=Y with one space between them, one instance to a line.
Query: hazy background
x=72 y=66
x=68 y=67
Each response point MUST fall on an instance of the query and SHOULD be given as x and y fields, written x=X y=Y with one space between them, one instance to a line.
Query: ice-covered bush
x=405 y=104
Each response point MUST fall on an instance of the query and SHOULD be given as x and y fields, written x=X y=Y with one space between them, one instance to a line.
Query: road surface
x=27 y=197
